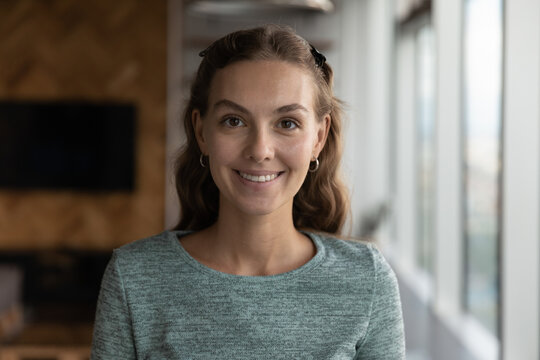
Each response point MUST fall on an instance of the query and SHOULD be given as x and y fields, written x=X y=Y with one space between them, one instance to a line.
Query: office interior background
x=442 y=154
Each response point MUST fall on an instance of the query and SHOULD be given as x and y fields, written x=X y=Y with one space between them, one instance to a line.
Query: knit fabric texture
x=158 y=302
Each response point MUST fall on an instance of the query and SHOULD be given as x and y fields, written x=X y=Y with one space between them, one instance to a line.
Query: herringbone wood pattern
x=91 y=50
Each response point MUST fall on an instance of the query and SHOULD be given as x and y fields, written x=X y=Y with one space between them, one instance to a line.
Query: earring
x=201 y=160
x=313 y=169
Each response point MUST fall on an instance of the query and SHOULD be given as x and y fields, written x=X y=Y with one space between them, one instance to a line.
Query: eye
x=233 y=121
x=287 y=124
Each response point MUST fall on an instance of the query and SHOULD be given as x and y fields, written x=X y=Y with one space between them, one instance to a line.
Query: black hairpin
x=319 y=58
x=204 y=52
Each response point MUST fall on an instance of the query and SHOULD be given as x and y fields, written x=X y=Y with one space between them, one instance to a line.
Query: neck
x=259 y=244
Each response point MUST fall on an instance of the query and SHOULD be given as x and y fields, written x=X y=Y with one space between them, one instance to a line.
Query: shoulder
x=354 y=256
x=153 y=252
x=350 y=251
x=154 y=242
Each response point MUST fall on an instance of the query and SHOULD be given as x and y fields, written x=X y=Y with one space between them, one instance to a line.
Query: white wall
x=378 y=46
x=365 y=53
x=352 y=71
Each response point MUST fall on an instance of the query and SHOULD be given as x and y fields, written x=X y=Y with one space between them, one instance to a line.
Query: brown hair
x=322 y=203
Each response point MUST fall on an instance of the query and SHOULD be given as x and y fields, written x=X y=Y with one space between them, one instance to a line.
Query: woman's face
x=260 y=133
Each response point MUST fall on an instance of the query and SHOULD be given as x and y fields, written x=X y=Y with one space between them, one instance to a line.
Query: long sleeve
x=113 y=335
x=384 y=338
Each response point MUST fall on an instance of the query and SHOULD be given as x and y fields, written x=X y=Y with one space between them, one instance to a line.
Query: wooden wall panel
x=90 y=50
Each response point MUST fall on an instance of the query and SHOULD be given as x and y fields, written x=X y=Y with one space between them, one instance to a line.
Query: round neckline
x=175 y=236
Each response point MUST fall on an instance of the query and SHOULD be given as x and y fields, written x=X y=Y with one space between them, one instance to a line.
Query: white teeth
x=260 y=179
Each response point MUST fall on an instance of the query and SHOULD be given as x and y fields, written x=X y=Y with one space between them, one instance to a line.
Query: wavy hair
x=322 y=202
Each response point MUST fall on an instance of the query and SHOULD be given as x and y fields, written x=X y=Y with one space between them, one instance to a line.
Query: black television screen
x=67 y=145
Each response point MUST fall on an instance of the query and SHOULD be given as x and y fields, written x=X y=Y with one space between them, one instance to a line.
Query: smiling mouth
x=259 y=178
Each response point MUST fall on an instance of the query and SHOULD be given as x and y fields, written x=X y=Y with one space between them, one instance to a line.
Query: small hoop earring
x=316 y=161
x=201 y=160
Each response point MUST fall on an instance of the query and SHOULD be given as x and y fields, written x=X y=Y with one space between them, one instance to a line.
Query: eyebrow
x=291 y=107
x=240 y=108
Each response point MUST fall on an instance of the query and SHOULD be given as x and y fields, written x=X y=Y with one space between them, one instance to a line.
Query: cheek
x=222 y=150
x=299 y=151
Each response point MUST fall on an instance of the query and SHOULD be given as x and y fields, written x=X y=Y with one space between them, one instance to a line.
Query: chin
x=256 y=207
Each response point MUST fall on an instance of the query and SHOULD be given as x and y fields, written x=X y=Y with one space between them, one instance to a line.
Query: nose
x=259 y=145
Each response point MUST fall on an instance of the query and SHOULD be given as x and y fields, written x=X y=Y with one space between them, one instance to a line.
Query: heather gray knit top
x=157 y=302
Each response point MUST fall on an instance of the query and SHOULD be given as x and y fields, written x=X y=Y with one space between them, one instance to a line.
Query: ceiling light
x=250 y=7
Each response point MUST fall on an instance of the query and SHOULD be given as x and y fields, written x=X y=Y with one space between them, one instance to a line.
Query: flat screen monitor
x=73 y=145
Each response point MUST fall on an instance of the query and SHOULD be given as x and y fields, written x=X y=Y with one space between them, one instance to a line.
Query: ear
x=322 y=134
x=197 y=123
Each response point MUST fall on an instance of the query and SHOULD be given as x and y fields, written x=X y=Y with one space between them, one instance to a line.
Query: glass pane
x=426 y=144
x=482 y=126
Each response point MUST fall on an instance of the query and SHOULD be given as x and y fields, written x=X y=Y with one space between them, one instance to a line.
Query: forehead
x=263 y=85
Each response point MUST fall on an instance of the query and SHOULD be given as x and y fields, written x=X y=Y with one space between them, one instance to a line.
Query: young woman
x=255 y=268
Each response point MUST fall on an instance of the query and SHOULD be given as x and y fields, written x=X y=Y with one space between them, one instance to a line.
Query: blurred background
x=442 y=154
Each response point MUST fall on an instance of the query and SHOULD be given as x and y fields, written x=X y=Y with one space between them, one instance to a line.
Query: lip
x=258 y=172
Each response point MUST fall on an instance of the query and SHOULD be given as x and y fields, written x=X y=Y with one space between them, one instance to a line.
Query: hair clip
x=319 y=58
x=206 y=51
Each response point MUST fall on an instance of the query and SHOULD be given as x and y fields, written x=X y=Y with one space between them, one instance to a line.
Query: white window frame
x=447 y=19
x=521 y=193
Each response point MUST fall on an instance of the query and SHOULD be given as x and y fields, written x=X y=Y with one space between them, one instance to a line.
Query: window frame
x=521 y=183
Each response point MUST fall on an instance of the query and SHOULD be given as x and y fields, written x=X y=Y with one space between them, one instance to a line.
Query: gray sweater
x=157 y=302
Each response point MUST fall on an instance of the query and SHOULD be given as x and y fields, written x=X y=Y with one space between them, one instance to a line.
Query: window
x=482 y=146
